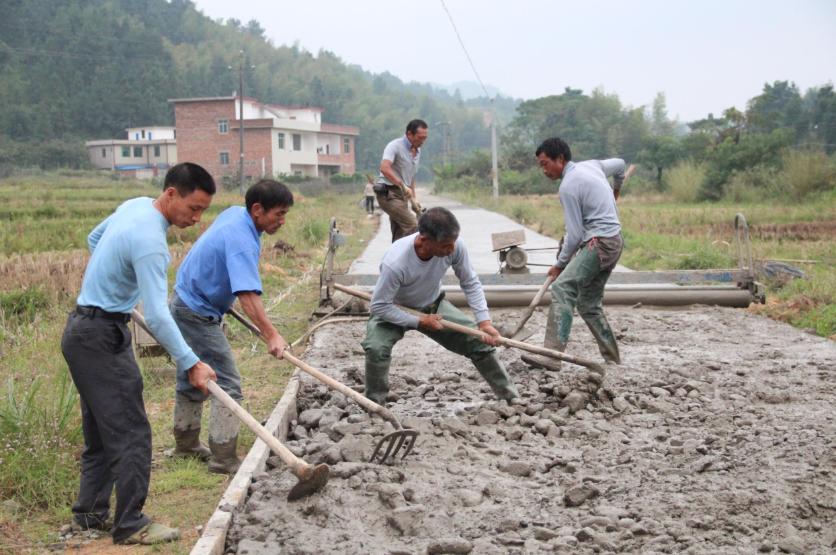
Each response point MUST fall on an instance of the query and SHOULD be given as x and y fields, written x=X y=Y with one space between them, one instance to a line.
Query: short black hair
x=438 y=224
x=553 y=148
x=186 y=177
x=416 y=124
x=269 y=194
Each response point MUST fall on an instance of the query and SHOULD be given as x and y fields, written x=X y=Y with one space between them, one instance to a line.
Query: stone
x=470 y=498
x=543 y=426
x=487 y=418
x=252 y=547
x=577 y=495
x=407 y=520
x=585 y=534
x=390 y=495
x=449 y=545
x=516 y=468
x=355 y=448
x=544 y=534
x=575 y=401
x=620 y=404
x=310 y=418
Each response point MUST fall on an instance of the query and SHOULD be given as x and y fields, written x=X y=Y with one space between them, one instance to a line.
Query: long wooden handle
x=479 y=333
x=530 y=310
x=363 y=401
x=300 y=468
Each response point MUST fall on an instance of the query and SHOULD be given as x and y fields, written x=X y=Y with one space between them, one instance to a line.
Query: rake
x=392 y=443
x=559 y=355
x=311 y=478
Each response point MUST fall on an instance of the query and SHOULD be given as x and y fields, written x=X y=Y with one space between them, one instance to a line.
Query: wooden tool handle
x=363 y=401
x=300 y=468
x=530 y=310
x=479 y=333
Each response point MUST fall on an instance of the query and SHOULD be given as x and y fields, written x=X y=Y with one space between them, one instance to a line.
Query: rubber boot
x=602 y=332
x=223 y=440
x=551 y=341
x=494 y=372
x=187 y=429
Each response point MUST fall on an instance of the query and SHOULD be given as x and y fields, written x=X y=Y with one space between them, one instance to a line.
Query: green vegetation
x=661 y=234
x=781 y=147
x=69 y=61
x=40 y=436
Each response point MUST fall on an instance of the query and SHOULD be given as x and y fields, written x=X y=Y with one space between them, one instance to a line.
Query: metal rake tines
x=395 y=441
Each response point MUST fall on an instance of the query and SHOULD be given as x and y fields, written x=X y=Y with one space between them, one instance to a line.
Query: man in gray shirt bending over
x=593 y=230
x=396 y=182
x=410 y=275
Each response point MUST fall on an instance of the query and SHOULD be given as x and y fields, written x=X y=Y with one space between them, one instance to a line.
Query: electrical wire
x=464 y=48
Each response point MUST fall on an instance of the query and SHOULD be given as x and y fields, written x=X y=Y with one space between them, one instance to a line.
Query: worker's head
x=416 y=132
x=187 y=192
x=438 y=230
x=553 y=154
x=268 y=202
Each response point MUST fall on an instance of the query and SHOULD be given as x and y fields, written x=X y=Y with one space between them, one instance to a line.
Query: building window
x=346 y=145
x=224 y=158
x=126 y=151
x=223 y=126
x=281 y=141
x=297 y=173
x=104 y=153
x=297 y=141
x=137 y=152
x=157 y=151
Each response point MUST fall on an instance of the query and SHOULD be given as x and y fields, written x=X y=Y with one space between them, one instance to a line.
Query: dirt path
x=715 y=436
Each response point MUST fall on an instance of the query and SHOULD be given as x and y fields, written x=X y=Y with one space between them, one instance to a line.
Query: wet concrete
x=715 y=436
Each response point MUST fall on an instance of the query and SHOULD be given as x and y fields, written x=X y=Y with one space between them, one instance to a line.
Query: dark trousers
x=117 y=435
x=369 y=204
x=402 y=220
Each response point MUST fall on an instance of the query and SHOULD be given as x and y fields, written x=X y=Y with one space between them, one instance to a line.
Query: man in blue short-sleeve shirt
x=222 y=266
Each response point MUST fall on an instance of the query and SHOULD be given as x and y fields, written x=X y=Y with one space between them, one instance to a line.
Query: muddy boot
x=605 y=338
x=223 y=440
x=153 y=533
x=495 y=374
x=551 y=341
x=187 y=429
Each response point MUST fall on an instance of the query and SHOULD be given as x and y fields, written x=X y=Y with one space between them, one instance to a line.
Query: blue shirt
x=221 y=264
x=129 y=263
x=588 y=203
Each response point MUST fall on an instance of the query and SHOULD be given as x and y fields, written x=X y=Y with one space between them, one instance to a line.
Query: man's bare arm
x=254 y=308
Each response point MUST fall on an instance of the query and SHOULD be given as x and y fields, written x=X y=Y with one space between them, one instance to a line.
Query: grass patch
x=41 y=266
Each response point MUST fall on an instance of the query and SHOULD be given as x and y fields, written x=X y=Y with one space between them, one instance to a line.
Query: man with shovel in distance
x=594 y=232
x=220 y=267
x=396 y=183
x=410 y=275
x=128 y=263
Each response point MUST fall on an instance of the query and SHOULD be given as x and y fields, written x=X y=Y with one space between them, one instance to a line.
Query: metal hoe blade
x=394 y=442
x=310 y=485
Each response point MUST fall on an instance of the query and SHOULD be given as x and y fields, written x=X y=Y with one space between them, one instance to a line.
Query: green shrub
x=39 y=430
x=702 y=258
x=24 y=303
x=314 y=232
x=807 y=172
x=684 y=181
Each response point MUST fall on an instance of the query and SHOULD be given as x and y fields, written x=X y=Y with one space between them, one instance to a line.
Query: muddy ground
x=716 y=435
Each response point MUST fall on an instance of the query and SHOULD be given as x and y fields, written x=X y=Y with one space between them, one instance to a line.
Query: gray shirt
x=405 y=166
x=588 y=203
x=407 y=280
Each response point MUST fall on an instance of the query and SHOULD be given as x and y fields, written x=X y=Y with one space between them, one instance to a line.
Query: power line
x=464 y=48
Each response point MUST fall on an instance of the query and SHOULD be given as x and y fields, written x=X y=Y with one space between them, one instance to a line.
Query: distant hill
x=470 y=89
x=79 y=70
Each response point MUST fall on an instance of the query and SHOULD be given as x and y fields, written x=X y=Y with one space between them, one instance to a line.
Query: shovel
x=311 y=478
x=594 y=366
x=392 y=443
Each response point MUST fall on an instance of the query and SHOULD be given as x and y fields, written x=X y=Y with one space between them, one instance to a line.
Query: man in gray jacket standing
x=591 y=248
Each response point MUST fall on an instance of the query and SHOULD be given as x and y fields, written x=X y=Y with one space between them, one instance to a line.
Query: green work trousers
x=581 y=285
x=381 y=337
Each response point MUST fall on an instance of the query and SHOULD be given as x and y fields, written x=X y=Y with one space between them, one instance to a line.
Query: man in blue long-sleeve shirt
x=128 y=263
x=591 y=248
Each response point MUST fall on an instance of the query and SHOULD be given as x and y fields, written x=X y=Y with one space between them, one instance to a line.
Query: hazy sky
x=705 y=55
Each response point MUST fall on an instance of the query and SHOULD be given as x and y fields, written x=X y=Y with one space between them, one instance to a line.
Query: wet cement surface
x=716 y=435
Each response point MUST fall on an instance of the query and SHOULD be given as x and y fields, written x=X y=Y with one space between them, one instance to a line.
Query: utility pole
x=241 y=125
x=494 y=163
